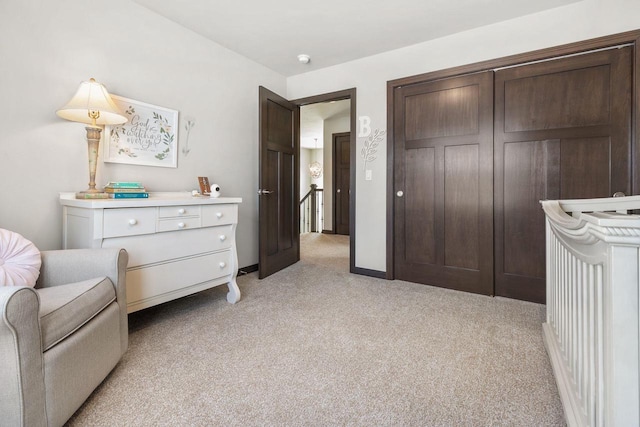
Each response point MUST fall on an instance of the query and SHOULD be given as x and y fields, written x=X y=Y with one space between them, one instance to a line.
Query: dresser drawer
x=222 y=236
x=152 y=281
x=176 y=224
x=128 y=222
x=178 y=211
x=219 y=215
x=162 y=247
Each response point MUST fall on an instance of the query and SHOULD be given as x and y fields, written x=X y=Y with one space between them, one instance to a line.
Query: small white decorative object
x=215 y=190
x=370 y=146
x=190 y=124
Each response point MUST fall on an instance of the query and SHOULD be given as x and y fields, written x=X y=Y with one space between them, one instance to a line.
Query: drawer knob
x=181 y=211
x=181 y=225
x=223 y=237
x=219 y=215
x=223 y=264
x=133 y=221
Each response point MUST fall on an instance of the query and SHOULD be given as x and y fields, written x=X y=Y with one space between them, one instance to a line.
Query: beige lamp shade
x=92 y=101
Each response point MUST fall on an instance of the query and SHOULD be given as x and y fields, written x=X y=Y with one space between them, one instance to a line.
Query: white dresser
x=177 y=244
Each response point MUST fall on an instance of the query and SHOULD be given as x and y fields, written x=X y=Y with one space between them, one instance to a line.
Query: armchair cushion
x=65 y=308
x=19 y=260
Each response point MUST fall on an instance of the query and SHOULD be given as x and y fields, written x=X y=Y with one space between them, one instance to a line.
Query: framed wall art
x=149 y=138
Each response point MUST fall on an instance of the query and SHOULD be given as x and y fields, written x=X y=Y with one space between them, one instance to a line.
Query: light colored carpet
x=314 y=345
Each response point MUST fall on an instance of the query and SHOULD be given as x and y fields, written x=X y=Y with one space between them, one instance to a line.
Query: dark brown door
x=342 y=176
x=279 y=190
x=562 y=131
x=443 y=183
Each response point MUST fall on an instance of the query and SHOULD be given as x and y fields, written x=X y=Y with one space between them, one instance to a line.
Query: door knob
x=619 y=194
x=338 y=190
x=400 y=193
x=263 y=192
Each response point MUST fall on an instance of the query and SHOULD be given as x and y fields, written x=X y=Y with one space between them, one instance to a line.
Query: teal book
x=129 y=195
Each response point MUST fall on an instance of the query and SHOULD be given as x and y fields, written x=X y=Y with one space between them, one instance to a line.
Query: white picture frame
x=149 y=138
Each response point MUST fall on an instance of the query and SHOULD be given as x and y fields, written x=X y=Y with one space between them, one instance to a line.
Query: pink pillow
x=19 y=260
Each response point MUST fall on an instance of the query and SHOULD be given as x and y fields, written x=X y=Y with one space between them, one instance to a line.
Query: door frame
x=339 y=96
x=333 y=164
x=629 y=37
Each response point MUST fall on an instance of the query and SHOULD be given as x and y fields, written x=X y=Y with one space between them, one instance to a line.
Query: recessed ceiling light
x=305 y=59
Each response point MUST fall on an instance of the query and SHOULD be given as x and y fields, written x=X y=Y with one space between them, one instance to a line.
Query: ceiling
x=312 y=118
x=273 y=33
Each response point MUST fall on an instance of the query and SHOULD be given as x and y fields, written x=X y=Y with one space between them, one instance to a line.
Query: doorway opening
x=327 y=163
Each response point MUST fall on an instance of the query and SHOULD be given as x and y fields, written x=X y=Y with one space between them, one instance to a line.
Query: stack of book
x=126 y=190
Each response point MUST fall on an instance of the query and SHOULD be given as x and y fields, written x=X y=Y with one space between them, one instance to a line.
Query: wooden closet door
x=443 y=183
x=562 y=131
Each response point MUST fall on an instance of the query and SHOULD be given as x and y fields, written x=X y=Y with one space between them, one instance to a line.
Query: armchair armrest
x=60 y=267
x=74 y=265
x=22 y=394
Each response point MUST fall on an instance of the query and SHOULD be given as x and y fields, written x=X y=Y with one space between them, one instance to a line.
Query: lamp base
x=93 y=140
x=91 y=195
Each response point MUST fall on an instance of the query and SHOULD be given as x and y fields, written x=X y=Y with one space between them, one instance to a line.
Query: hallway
x=328 y=250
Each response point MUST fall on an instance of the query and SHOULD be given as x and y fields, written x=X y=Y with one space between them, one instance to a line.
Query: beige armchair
x=61 y=339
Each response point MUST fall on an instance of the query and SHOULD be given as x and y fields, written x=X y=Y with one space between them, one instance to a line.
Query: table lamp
x=92 y=105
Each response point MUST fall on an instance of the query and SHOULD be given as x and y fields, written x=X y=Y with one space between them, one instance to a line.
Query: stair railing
x=311 y=211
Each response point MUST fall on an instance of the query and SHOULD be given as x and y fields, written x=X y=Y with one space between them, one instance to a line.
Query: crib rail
x=592 y=323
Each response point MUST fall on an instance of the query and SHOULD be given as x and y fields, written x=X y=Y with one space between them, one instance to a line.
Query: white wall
x=48 y=48
x=332 y=125
x=578 y=21
x=308 y=155
x=305 y=178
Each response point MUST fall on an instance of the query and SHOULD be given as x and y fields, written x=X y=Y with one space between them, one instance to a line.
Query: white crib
x=592 y=324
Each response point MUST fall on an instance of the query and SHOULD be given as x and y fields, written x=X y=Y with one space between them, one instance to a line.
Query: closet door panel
x=448 y=112
x=420 y=236
x=564 y=99
x=585 y=168
x=461 y=206
x=531 y=172
x=562 y=131
x=443 y=183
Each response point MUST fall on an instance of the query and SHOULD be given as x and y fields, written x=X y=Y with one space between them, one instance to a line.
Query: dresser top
x=155 y=199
